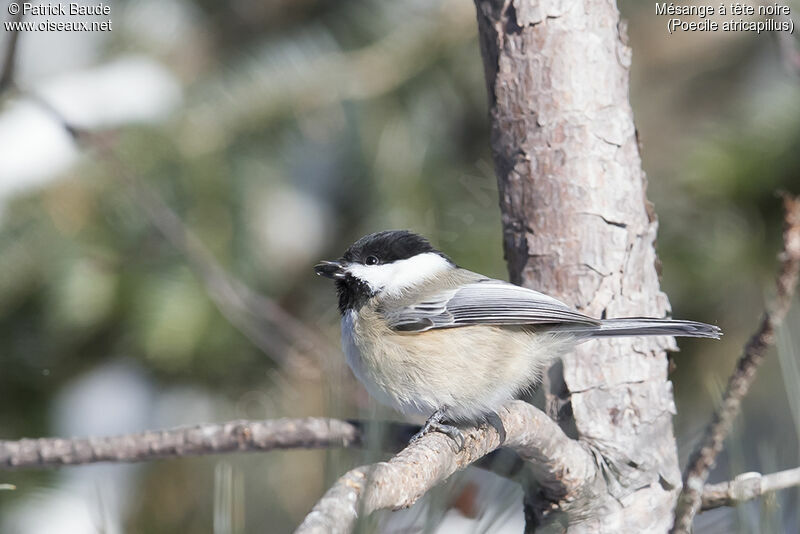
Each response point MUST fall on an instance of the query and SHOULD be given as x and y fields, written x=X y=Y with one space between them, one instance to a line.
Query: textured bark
x=562 y=466
x=577 y=225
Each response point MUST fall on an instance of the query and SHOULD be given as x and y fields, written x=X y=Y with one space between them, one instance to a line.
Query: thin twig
x=234 y=436
x=563 y=467
x=9 y=60
x=748 y=486
x=704 y=456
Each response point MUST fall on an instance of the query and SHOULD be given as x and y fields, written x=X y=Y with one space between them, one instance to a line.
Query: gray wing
x=490 y=302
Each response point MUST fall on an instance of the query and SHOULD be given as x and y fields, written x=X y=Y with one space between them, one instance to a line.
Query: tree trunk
x=577 y=224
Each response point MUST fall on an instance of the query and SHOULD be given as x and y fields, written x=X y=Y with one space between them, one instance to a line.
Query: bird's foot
x=434 y=424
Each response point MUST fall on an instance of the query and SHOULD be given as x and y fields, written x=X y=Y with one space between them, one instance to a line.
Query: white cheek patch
x=400 y=275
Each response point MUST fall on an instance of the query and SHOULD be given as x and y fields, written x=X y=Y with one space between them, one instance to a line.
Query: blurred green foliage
x=307 y=124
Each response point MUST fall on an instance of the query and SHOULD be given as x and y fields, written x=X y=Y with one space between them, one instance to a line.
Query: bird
x=430 y=338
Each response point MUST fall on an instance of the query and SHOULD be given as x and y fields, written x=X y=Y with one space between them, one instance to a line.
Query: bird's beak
x=330 y=269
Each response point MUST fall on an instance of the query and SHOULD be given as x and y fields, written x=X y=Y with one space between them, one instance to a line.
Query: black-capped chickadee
x=428 y=337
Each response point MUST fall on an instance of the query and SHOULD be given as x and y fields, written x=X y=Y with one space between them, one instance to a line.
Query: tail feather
x=643 y=326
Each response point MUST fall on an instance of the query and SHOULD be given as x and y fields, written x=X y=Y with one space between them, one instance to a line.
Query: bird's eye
x=371 y=260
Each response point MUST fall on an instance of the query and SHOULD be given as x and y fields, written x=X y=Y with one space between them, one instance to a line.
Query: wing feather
x=486 y=301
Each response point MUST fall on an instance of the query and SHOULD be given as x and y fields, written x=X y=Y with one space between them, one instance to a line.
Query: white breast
x=361 y=367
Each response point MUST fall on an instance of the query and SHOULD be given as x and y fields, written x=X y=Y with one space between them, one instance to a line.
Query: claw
x=434 y=424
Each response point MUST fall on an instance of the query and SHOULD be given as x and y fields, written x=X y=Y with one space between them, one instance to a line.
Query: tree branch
x=219 y=438
x=564 y=467
x=704 y=456
x=747 y=486
x=233 y=436
x=577 y=224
